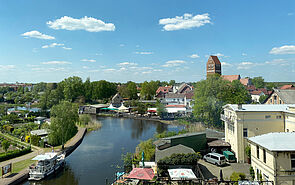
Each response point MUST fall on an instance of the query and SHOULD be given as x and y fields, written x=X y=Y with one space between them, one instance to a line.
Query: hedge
x=13 y=154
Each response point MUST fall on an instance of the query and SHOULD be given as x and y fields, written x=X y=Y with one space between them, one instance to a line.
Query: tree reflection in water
x=138 y=127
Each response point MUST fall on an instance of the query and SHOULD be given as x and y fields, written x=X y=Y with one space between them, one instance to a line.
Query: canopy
x=111 y=106
x=182 y=174
x=122 y=107
x=141 y=174
x=45 y=156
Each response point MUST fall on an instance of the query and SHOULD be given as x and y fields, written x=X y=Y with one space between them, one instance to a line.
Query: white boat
x=47 y=164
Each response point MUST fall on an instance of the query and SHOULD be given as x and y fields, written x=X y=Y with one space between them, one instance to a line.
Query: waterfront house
x=243 y=121
x=273 y=157
x=117 y=100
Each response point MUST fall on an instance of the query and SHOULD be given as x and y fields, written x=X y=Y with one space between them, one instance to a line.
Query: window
x=280 y=101
x=257 y=151
x=293 y=161
x=267 y=116
x=264 y=156
x=275 y=97
x=245 y=132
x=270 y=100
x=287 y=130
x=279 y=117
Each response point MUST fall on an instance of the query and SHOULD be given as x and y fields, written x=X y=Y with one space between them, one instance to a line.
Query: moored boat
x=47 y=164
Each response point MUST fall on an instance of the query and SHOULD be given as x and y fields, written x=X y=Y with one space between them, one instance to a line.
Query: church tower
x=213 y=66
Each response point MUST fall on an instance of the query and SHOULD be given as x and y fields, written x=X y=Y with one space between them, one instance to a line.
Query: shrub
x=235 y=176
x=35 y=140
x=13 y=154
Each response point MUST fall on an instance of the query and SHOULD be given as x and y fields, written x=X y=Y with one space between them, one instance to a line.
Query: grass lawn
x=17 y=167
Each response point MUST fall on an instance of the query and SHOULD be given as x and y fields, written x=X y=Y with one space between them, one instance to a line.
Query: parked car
x=229 y=156
x=215 y=158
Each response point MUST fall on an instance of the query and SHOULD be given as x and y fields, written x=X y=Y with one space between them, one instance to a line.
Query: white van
x=215 y=158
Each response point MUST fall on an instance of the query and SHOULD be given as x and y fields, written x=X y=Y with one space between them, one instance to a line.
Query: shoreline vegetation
x=85 y=121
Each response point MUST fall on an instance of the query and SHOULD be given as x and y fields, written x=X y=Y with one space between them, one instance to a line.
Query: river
x=99 y=155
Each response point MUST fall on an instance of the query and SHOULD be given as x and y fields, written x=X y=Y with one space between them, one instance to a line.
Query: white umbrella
x=182 y=174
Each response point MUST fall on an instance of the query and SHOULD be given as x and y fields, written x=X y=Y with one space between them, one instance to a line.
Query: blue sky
x=118 y=41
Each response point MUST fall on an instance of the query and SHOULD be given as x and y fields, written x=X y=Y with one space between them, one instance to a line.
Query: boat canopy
x=45 y=156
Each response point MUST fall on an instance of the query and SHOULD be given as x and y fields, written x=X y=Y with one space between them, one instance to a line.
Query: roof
x=185 y=135
x=256 y=92
x=182 y=174
x=174 y=95
x=287 y=86
x=141 y=173
x=164 y=89
x=231 y=77
x=215 y=59
x=251 y=87
x=287 y=95
x=40 y=118
x=276 y=141
x=183 y=87
x=39 y=132
x=99 y=105
x=45 y=156
x=264 y=90
x=218 y=142
x=245 y=81
x=189 y=95
x=259 y=107
x=167 y=152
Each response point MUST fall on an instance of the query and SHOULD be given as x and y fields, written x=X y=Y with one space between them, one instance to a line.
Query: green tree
x=72 y=88
x=127 y=160
x=161 y=110
x=148 y=148
x=238 y=93
x=131 y=90
x=88 y=90
x=271 y=85
x=148 y=89
x=5 y=145
x=64 y=117
x=258 y=82
x=103 y=90
x=235 y=176
x=172 y=82
x=141 y=108
x=262 y=98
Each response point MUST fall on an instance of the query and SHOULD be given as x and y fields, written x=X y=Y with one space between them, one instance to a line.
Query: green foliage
x=129 y=91
x=63 y=119
x=127 y=159
x=270 y=85
x=148 y=148
x=103 y=90
x=148 y=89
x=258 y=82
x=141 y=108
x=170 y=134
x=161 y=110
x=252 y=172
x=214 y=92
x=248 y=151
x=72 y=88
x=84 y=119
x=235 y=176
x=180 y=159
x=88 y=90
x=13 y=154
x=5 y=145
x=12 y=118
x=172 y=82
x=35 y=140
x=262 y=98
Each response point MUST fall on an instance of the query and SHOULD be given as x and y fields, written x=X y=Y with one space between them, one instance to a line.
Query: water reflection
x=99 y=155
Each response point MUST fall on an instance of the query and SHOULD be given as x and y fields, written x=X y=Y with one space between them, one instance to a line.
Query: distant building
x=246 y=81
x=231 y=78
x=117 y=100
x=213 y=66
x=273 y=157
x=255 y=95
x=287 y=87
x=281 y=96
x=162 y=91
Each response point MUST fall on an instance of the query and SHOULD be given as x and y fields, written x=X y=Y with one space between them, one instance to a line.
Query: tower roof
x=215 y=59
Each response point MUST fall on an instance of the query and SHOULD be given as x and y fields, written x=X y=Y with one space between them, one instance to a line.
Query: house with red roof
x=231 y=78
x=287 y=87
x=255 y=95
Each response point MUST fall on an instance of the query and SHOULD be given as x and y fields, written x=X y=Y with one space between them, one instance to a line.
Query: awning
x=182 y=174
x=141 y=174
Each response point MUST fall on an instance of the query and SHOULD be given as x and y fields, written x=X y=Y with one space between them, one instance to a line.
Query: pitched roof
x=256 y=92
x=287 y=95
x=276 y=141
x=287 y=86
x=174 y=95
x=141 y=173
x=231 y=77
x=264 y=90
x=215 y=59
x=245 y=81
x=178 y=149
x=251 y=87
x=164 y=89
x=258 y=107
x=183 y=87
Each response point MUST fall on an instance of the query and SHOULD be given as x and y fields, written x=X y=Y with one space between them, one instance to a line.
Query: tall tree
x=64 y=117
x=88 y=90
x=72 y=88
x=258 y=82
x=148 y=89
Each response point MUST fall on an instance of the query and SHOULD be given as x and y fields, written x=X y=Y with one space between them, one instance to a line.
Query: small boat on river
x=47 y=164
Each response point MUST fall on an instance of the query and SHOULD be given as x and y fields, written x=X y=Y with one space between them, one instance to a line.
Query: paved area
x=212 y=171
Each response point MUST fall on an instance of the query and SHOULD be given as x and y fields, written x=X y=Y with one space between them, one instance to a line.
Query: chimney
x=240 y=106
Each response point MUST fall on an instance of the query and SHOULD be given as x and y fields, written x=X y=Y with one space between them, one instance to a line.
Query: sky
x=143 y=40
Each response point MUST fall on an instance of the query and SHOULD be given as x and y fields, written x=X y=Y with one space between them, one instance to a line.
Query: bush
x=13 y=154
x=235 y=176
x=252 y=173
x=35 y=140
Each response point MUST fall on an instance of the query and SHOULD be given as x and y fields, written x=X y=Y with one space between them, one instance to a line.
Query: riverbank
x=18 y=177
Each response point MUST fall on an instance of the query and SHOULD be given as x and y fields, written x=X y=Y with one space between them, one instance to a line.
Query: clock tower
x=213 y=66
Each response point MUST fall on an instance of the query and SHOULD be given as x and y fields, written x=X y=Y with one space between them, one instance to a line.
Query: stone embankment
x=23 y=175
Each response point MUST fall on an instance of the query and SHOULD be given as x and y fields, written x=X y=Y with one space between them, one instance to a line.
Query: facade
x=273 y=157
x=243 y=121
x=281 y=96
x=213 y=66
x=117 y=100
x=255 y=95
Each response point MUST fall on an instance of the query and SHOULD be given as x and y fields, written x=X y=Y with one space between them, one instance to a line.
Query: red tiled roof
x=179 y=106
x=286 y=87
x=215 y=59
x=163 y=89
x=141 y=173
x=264 y=90
x=189 y=95
x=251 y=87
x=231 y=77
x=256 y=92
x=245 y=81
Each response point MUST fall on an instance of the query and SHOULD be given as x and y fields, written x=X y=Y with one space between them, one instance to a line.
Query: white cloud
x=37 y=34
x=219 y=55
x=291 y=13
x=7 y=67
x=109 y=70
x=173 y=63
x=245 y=65
x=122 y=45
x=146 y=72
x=157 y=70
x=187 y=21
x=52 y=45
x=56 y=63
x=280 y=62
x=85 y=67
x=66 y=48
x=144 y=53
x=244 y=54
x=224 y=64
x=287 y=49
x=88 y=60
x=194 y=56
x=85 y=23
x=127 y=64
x=52 y=69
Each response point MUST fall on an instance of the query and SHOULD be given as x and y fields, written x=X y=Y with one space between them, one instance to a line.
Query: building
x=255 y=95
x=117 y=100
x=177 y=149
x=231 y=78
x=243 y=121
x=273 y=157
x=162 y=91
x=213 y=66
x=287 y=87
x=281 y=96
x=246 y=81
